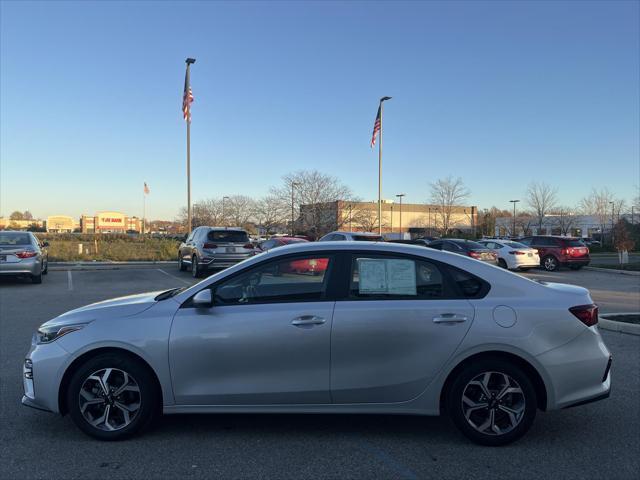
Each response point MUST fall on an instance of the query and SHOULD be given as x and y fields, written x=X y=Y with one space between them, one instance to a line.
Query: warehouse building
x=110 y=222
x=61 y=224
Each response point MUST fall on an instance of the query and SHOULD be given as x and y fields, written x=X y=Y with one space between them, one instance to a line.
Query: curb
x=622 y=327
x=611 y=270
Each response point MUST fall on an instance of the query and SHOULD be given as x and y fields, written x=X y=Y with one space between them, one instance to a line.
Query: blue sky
x=499 y=93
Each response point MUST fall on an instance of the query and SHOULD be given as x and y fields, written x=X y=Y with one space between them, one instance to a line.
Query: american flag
x=187 y=98
x=146 y=188
x=376 y=127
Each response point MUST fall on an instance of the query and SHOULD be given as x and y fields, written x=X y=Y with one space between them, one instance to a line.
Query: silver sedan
x=328 y=327
x=22 y=254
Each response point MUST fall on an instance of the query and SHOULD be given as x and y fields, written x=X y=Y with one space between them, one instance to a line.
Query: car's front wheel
x=111 y=397
x=492 y=402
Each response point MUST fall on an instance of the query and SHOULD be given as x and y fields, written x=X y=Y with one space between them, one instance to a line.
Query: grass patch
x=119 y=248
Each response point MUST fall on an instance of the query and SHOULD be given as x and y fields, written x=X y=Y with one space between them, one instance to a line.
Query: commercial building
x=585 y=226
x=417 y=219
x=109 y=222
x=7 y=224
x=61 y=224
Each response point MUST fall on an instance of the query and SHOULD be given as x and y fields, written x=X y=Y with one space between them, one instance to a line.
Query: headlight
x=49 y=334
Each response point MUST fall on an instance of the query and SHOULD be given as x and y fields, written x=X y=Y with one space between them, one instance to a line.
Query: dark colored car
x=555 y=252
x=468 y=248
x=423 y=242
x=278 y=242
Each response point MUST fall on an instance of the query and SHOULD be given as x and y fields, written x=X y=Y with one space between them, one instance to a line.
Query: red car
x=279 y=242
x=559 y=251
x=311 y=266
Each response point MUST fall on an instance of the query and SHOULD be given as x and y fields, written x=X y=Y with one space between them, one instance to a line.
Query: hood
x=115 y=307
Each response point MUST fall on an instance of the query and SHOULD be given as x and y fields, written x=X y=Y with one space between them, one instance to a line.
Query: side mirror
x=203 y=299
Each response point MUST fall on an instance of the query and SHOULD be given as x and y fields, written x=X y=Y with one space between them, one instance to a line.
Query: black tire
x=181 y=264
x=149 y=398
x=525 y=400
x=36 y=278
x=195 y=269
x=550 y=263
x=502 y=263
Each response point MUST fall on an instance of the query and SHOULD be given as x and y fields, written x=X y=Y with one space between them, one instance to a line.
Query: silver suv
x=208 y=248
x=352 y=237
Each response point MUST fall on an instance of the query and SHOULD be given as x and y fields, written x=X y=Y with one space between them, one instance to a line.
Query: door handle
x=449 y=318
x=307 y=320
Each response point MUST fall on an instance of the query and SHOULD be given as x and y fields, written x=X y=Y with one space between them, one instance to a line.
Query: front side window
x=297 y=279
x=387 y=277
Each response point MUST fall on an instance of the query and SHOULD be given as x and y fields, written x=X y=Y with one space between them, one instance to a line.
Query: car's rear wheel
x=492 y=402
x=111 y=397
x=550 y=263
x=181 y=264
x=195 y=269
x=502 y=263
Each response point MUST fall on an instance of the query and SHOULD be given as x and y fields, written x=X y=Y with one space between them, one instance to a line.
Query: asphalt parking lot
x=598 y=440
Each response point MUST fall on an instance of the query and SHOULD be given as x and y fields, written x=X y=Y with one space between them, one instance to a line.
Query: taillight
x=209 y=245
x=248 y=245
x=474 y=255
x=515 y=252
x=587 y=314
x=26 y=254
x=564 y=251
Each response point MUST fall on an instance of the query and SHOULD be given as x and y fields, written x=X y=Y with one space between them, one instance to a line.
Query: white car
x=513 y=255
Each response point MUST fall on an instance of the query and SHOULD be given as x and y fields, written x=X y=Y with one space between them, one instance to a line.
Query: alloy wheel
x=109 y=399
x=493 y=403
x=550 y=263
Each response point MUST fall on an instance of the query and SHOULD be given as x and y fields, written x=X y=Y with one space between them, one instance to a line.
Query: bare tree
x=542 y=198
x=16 y=216
x=316 y=191
x=366 y=217
x=204 y=212
x=239 y=210
x=448 y=193
x=270 y=213
x=564 y=218
x=603 y=205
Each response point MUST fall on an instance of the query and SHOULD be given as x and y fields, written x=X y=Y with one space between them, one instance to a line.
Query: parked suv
x=559 y=251
x=208 y=248
x=351 y=237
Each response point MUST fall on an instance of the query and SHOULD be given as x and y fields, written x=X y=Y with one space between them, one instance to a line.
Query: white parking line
x=69 y=280
x=173 y=276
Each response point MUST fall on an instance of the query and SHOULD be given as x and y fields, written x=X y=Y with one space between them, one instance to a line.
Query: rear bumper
x=580 y=371
x=24 y=267
x=580 y=261
x=222 y=261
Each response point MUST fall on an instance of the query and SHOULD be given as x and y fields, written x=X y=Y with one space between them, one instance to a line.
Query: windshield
x=10 y=238
x=228 y=236
x=574 y=242
x=471 y=245
x=368 y=238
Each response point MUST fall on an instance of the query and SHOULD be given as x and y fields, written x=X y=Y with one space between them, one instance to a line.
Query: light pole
x=293 y=186
x=400 y=195
x=514 y=215
x=612 y=214
x=391 y=218
x=429 y=208
x=223 y=217
x=350 y=216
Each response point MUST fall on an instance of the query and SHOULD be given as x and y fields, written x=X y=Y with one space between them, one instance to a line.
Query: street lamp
x=612 y=220
x=514 y=215
x=350 y=216
x=399 y=195
x=223 y=199
x=293 y=186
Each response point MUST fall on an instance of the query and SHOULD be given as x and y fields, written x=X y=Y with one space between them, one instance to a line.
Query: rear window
x=515 y=245
x=8 y=239
x=368 y=238
x=574 y=242
x=228 y=236
x=470 y=245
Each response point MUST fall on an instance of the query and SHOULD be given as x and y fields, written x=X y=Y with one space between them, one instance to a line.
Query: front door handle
x=449 y=318
x=307 y=320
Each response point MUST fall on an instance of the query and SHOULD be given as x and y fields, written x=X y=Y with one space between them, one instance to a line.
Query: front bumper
x=579 y=371
x=48 y=362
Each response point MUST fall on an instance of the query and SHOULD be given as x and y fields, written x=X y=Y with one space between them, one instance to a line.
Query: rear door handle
x=449 y=318
x=307 y=320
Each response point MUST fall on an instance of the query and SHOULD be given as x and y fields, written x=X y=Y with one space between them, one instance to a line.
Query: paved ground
x=598 y=440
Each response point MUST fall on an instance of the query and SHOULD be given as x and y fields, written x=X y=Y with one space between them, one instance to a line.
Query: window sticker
x=386 y=276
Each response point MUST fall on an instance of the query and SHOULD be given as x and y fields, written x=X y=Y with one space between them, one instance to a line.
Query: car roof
x=222 y=229
x=363 y=234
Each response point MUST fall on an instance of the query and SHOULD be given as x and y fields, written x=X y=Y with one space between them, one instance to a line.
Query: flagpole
x=382 y=100
x=188 y=61
x=144 y=211
x=380 y=174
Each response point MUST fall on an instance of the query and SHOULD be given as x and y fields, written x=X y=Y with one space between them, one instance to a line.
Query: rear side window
x=469 y=285
x=228 y=236
x=368 y=238
x=387 y=277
